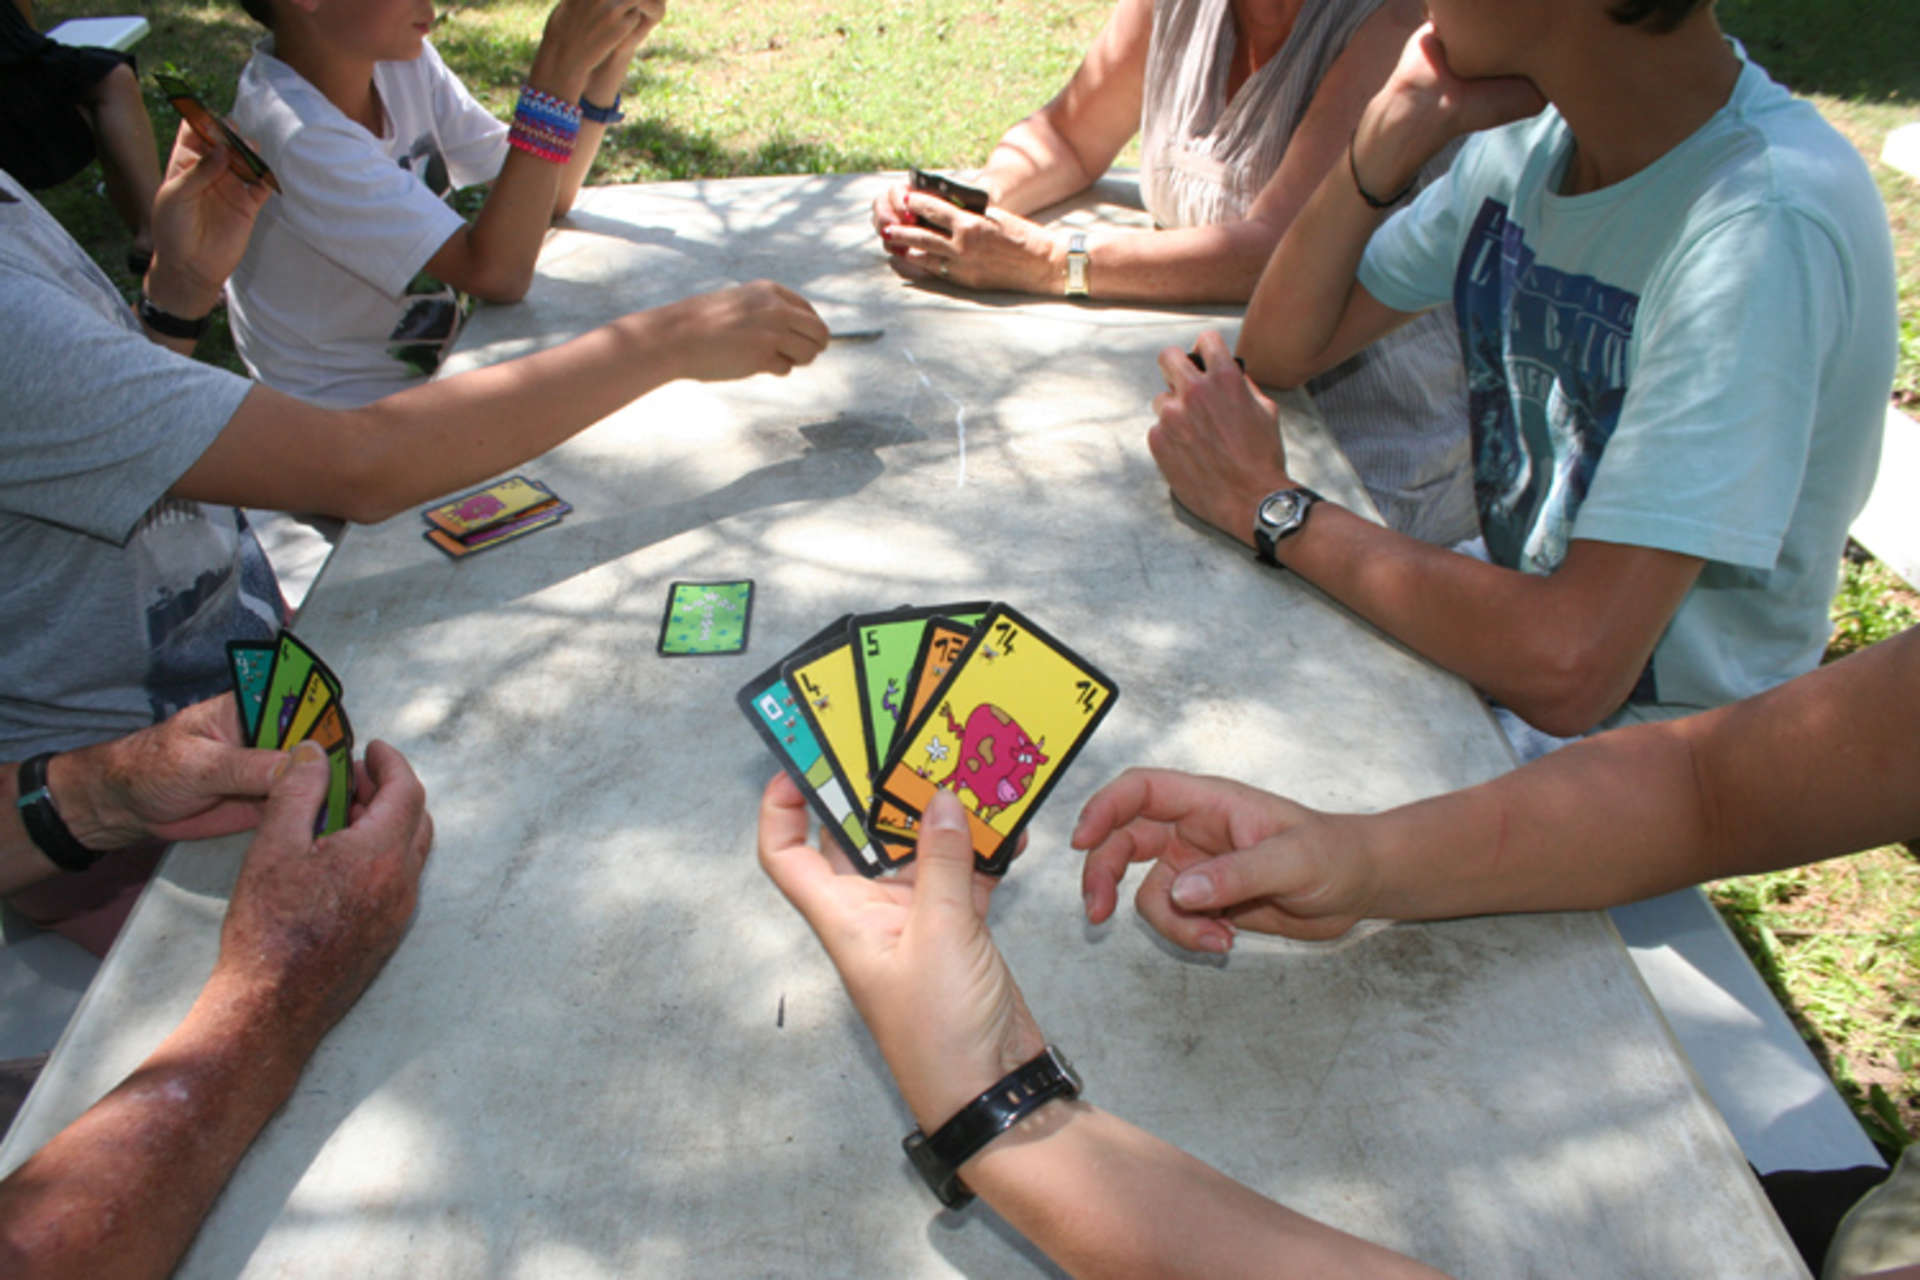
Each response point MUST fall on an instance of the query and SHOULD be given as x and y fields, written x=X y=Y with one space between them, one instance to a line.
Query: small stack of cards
x=488 y=517
x=287 y=695
x=875 y=711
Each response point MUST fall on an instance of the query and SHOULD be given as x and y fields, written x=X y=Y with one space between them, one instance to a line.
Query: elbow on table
x=1569 y=693
x=1281 y=375
x=505 y=283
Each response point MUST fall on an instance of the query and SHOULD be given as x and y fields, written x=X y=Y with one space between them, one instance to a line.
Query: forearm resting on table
x=121 y=1191
x=1562 y=650
x=493 y=256
x=1104 y=1198
x=1183 y=264
x=1813 y=769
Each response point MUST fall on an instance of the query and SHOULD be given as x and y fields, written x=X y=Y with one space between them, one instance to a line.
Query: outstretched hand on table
x=760 y=327
x=1225 y=857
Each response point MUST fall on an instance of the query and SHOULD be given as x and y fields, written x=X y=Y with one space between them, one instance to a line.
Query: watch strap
x=1012 y=1098
x=593 y=111
x=165 y=322
x=1264 y=541
x=45 y=827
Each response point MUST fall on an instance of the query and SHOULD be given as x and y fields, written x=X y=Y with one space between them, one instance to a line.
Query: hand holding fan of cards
x=876 y=711
x=286 y=695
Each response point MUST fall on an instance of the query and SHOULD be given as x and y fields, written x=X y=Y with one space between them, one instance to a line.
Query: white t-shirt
x=321 y=302
x=116 y=602
x=1695 y=359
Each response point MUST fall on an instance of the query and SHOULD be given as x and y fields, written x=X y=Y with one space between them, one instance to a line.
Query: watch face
x=1281 y=510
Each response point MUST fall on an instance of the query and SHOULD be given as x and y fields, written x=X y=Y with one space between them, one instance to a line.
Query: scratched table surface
x=609 y=1048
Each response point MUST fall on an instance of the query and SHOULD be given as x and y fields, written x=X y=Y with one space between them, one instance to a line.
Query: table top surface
x=608 y=1047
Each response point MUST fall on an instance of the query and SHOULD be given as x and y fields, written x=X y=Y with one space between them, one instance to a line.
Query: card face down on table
x=988 y=705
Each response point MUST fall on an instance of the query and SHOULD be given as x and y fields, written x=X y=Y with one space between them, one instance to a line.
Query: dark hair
x=1658 y=16
x=261 y=11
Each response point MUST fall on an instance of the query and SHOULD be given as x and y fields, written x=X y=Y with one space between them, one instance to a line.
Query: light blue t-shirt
x=1695 y=359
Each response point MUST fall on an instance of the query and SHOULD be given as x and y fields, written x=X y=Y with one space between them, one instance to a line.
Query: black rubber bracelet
x=1373 y=201
x=45 y=827
x=166 y=322
x=1025 y=1089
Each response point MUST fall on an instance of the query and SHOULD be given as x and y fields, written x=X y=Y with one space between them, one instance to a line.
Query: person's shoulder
x=1768 y=146
x=275 y=106
x=1499 y=159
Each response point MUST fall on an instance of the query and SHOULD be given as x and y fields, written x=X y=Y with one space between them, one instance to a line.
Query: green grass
x=858 y=85
x=1839 y=943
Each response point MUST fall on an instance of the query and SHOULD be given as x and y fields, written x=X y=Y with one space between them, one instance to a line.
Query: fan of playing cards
x=877 y=710
x=286 y=695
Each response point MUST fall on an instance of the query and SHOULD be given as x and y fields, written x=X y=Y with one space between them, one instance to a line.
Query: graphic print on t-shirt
x=1546 y=355
x=435 y=310
x=201 y=580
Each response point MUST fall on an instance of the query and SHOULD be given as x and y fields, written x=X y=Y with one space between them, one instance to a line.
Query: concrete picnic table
x=608 y=1047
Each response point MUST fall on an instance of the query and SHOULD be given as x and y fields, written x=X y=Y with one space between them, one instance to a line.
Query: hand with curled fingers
x=1215 y=438
x=312 y=921
x=1225 y=857
x=890 y=210
x=580 y=35
x=760 y=327
x=190 y=777
x=203 y=216
x=998 y=250
x=648 y=14
x=914 y=952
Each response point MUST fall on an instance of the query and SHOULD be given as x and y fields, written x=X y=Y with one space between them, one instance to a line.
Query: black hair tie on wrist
x=1373 y=201
x=45 y=827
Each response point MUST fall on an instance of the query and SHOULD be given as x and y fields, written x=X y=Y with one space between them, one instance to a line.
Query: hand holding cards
x=990 y=707
x=244 y=162
x=972 y=199
x=286 y=695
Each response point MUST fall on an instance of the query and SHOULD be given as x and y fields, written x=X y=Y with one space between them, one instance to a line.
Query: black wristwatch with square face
x=1012 y=1098
x=1281 y=514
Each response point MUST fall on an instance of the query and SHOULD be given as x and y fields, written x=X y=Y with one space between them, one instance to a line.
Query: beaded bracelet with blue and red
x=547 y=108
x=533 y=145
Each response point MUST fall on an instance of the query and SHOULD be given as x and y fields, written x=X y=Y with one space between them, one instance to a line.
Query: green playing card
x=706 y=618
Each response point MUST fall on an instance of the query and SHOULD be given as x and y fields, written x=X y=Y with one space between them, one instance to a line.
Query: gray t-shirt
x=116 y=602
